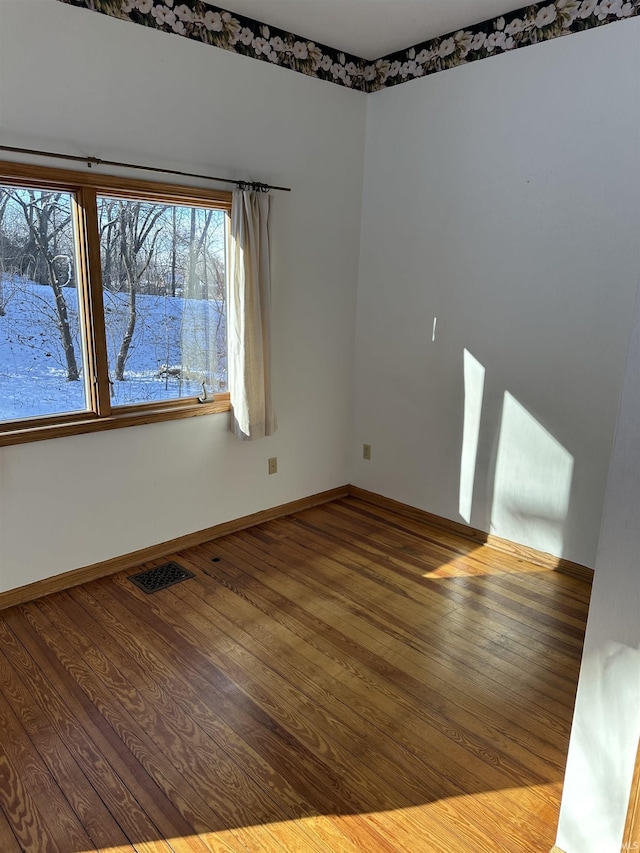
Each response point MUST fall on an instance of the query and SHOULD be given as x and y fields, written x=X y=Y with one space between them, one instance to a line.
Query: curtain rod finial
x=252 y=186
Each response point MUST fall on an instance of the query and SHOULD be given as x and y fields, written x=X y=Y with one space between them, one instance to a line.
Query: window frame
x=85 y=187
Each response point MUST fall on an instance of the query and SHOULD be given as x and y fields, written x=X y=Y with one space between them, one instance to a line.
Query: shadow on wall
x=533 y=473
x=474 y=374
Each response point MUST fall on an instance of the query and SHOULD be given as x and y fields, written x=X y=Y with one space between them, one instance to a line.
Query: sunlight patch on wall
x=532 y=482
x=474 y=374
x=602 y=750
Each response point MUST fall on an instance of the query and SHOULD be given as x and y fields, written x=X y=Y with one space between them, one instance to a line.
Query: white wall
x=84 y=83
x=606 y=724
x=502 y=198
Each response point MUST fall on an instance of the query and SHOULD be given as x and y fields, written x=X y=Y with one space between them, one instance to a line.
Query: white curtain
x=249 y=316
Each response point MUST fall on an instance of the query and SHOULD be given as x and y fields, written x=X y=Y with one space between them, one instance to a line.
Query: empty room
x=319 y=426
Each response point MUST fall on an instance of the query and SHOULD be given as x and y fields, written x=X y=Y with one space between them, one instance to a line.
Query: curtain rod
x=95 y=161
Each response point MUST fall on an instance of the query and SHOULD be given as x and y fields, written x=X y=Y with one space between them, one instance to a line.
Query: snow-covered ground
x=166 y=359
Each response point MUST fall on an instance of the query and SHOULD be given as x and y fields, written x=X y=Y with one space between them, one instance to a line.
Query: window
x=112 y=302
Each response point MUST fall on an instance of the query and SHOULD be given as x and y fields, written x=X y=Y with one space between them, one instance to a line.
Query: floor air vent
x=161 y=577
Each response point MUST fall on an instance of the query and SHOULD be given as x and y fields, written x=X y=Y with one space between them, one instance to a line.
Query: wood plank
x=376 y=542
x=189 y=692
x=406 y=567
x=110 y=766
x=365 y=667
x=314 y=778
x=458 y=676
x=344 y=678
x=177 y=809
x=8 y=841
x=508 y=649
x=27 y=821
x=367 y=790
x=225 y=608
x=164 y=736
x=98 y=821
x=372 y=549
x=50 y=823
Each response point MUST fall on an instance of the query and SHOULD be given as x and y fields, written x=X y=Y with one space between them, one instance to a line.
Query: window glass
x=163 y=279
x=112 y=302
x=42 y=366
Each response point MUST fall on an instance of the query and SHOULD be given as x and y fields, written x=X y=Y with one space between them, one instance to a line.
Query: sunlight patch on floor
x=484 y=560
x=454 y=823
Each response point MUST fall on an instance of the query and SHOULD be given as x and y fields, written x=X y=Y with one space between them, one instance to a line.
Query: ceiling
x=371 y=28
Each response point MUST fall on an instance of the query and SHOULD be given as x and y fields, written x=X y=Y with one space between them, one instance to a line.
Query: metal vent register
x=161 y=577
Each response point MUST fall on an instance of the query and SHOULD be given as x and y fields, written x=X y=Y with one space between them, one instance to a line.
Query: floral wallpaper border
x=203 y=22
x=529 y=25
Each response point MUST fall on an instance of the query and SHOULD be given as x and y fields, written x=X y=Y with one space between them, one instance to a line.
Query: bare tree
x=136 y=222
x=6 y=253
x=48 y=257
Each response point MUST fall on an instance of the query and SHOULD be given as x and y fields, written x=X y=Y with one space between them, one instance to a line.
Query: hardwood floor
x=343 y=679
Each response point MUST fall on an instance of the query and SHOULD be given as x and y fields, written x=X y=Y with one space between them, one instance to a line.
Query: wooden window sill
x=131 y=416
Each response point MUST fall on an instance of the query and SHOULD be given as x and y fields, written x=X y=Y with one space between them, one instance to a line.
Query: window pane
x=41 y=357
x=163 y=280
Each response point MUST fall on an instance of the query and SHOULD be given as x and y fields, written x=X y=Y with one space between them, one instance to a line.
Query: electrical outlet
x=273 y=465
x=366 y=451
